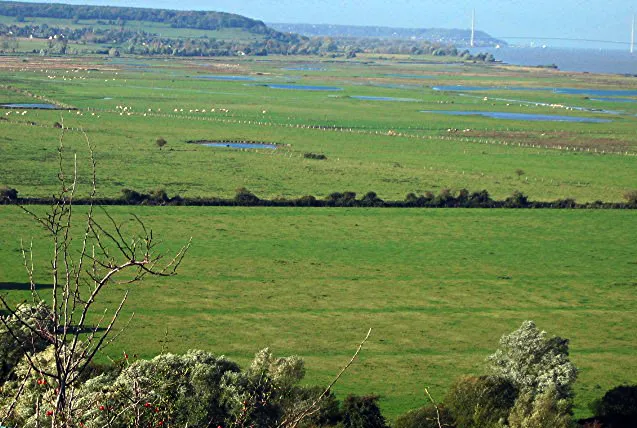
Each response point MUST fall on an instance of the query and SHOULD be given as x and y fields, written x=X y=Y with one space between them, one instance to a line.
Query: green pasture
x=391 y=148
x=438 y=287
x=360 y=138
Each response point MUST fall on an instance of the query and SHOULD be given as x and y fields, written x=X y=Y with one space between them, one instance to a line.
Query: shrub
x=371 y=200
x=426 y=417
x=631 y=197
x=544 y=410
x=517 y=200
x=245 y=197
x=483 y=401
x=17 y=338
x=618 y=407
x=8 y=194
x=161 y=142
x=132 y=196
x=316 y=156
x=362 y=412
x=534 y=362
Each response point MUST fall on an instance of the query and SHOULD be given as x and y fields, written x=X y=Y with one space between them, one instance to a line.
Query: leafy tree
x=618 y=407
x=161 y=142
x=533 y=362
x=483 y=401
x=540 y=411
x=362 y=412
x=7 y=193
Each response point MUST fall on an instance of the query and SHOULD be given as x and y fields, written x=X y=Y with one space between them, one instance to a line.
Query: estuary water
x=609 y=61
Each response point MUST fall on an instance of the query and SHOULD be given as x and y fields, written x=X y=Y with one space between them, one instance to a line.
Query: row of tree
x=244 y=197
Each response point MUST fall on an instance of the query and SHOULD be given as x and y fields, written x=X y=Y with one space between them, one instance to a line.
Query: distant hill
x=175 y=18
x=457 y=37
x=73 y=29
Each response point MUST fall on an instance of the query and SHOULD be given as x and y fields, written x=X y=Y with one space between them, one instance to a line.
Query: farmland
x=439 y=287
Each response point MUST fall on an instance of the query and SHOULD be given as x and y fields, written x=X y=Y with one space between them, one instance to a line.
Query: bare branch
x=294 y=420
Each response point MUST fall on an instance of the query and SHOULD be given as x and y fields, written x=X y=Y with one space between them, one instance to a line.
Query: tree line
x=203 y=20
x=445 y=198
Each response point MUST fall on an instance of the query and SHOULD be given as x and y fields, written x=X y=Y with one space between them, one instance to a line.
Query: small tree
x=519 y=172
x=541 y=411
x=483 y=401
x=8 y=194
x=161 y=142
x=534 y=362
x=362 y=412
x=618 y=406
x=631 y=197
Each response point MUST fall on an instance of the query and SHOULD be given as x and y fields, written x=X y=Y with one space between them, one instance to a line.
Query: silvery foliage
x=534 y=362
x=263 y=393
x=541 y=411
x=35 y=393
x=26 y=331
x=186 y=389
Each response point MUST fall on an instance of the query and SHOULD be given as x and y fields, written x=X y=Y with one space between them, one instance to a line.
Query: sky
x=577 y=19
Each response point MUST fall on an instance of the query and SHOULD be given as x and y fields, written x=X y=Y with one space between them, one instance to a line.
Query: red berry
x=49 y=413
x=102 y=408
x=156 y=409
x=147 y=405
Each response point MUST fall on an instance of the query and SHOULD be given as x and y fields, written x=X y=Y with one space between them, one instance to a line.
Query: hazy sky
x=582 y=19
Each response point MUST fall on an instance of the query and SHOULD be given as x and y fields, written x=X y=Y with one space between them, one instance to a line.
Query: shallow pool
x=368 y=98
x=227 y=78
x=241 y=145
x=31 y=105
x=520 y=116
x=566 y=91
x=303 y=87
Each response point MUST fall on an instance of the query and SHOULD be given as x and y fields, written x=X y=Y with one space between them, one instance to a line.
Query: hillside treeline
x=126 y=40
x=175 y=18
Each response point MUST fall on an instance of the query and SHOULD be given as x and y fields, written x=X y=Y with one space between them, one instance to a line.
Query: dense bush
x=533 y=361
x=23 y=339
x=618 y=407
x=362 y=412
x=426 y=417
x=245 y=197
x=631 y=197
x=316 y=156
x=483 y=401
x=8 y=194
x=541 y=411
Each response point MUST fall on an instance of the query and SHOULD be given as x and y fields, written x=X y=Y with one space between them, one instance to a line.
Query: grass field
x=391 y=148
x=439 y=287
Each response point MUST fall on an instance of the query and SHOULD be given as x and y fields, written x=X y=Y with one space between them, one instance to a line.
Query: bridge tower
x=473 y=27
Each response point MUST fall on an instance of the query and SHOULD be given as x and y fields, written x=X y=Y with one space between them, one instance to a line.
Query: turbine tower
x=473 y=27
x=632 y=37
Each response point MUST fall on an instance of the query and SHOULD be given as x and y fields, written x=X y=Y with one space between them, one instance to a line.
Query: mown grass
x=439 y=287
